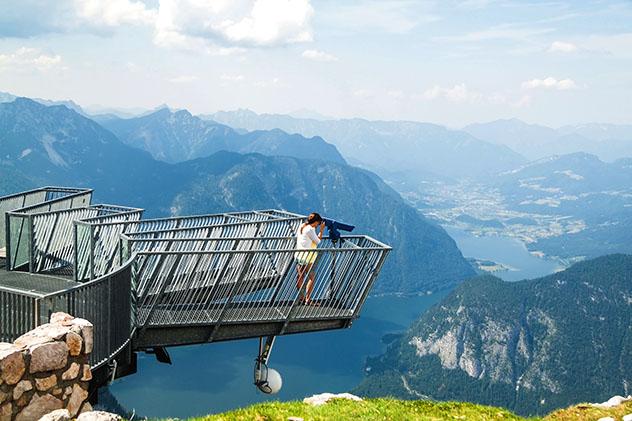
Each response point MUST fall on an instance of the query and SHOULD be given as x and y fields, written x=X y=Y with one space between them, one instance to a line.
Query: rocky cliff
x=530 y=346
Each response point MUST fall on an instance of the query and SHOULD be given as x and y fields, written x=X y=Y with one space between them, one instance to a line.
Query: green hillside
x=531 y=346
x=392 y=409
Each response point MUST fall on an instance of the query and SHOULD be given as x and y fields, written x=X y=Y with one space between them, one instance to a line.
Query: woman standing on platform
x=307 y=239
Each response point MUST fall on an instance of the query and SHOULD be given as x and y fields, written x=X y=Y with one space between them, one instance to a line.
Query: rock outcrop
x=46 y=371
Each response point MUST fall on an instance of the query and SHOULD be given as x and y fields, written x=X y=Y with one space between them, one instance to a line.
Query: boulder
x=72 y=372
x=57 y=415
x=61 y=318
x=323 y=398
x=612 y=402
x=87 y=332
x=12 y=365
x=98 y=416
x=45 y=383
x=6 y=411
x=38 y=407
x=78 y=396
x=74 y=343
x=87 y=373
x=48 y=357
x=20 y=388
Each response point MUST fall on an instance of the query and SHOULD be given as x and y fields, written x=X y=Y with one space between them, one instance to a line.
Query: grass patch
x=393 y=409
x=373 y=409
x=589 y=412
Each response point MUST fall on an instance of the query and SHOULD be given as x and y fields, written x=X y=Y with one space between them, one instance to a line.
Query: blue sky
x=448 y=62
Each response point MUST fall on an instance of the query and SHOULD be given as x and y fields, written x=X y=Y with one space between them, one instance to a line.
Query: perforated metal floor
x=33 y=283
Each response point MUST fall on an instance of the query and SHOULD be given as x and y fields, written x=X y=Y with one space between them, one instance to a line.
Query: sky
x=450 y=62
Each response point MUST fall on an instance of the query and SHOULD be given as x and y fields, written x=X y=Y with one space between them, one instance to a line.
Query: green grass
x=373 y=409
x=392 y=409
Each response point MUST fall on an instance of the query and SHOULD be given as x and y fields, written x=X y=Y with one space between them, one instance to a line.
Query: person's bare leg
x=310 y=285
x=300 y=269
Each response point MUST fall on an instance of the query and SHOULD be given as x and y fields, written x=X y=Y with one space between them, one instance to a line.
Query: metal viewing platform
x=147 y=284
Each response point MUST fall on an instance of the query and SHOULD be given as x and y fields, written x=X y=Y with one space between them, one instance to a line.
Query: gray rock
x=98 y=416
x=48 y=357
x=12 y=365
x=57 y=415
x=6 y=411
x=46 y=383
x=72 y=372
x=20 y=388
x=38 y=407
x=74 y=343
x=78 y=396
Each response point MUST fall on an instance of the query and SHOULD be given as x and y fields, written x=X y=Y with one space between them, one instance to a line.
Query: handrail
x=201 y=270
x=106 y=302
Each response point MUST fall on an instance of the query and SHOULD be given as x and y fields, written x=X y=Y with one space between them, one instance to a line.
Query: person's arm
x=312 y=235
x=322 y=230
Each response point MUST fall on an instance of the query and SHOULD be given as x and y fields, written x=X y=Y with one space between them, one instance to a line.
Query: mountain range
x=48 y=145
x=529 y=346
x=397 y=150
x=179 y=136
x=608 y=141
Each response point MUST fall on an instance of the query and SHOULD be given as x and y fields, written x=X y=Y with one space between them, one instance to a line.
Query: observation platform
x=152 y=283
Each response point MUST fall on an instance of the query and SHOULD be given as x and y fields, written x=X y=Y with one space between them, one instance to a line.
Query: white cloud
x=562 y=47
x=363 y=93
x=232 y=78
x=550 y=83
x=508 y=32
x=183 y=79
x=458 y=94
x=317 y=55
x=114 y=12
x=29 y=58
x=396 y=94
x=393 y=16
x=196 y=24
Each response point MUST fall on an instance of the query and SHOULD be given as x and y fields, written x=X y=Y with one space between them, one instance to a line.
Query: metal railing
x=231 y=280
x=18 y=313
x=46 y=241
x=205 y=270
x=19 y=221
x=28 y=199
x=98 y=240
x=106 y=302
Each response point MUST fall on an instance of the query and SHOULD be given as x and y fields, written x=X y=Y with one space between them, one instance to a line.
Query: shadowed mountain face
x=179 y=136
x=530 y=346
x=54 y=145
x=608 y=141
x=419 y=151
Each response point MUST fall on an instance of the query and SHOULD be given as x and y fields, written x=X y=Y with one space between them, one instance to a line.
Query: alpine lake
x=218 y=377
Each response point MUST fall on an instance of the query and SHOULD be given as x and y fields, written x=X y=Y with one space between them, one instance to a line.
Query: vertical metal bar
x=7 y=249
x=31 y=244
x=365 y=293
x=245 y=270
x=91 y=258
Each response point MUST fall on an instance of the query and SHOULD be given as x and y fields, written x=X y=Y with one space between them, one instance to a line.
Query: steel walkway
x=148 y=283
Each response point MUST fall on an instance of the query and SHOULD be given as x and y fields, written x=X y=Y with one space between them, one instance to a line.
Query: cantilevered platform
x=151 y=283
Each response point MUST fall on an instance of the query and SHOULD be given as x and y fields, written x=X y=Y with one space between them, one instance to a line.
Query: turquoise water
x=217 y=377
x=506 y=250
